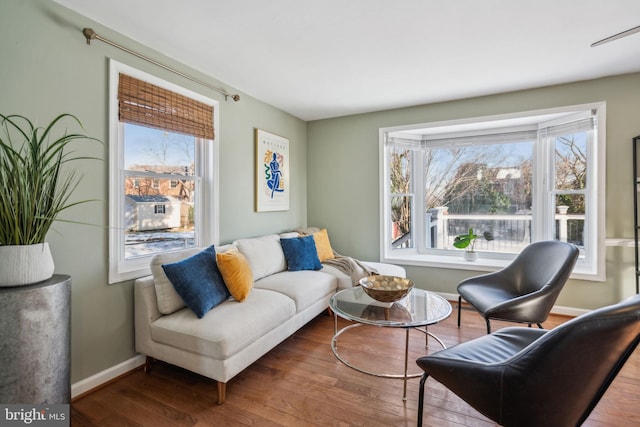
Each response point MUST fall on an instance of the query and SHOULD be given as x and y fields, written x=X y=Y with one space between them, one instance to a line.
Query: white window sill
x=486 y=264
x=442 y=261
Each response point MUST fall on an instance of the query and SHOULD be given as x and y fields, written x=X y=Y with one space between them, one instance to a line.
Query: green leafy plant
x=468 y=241
x=35 y=181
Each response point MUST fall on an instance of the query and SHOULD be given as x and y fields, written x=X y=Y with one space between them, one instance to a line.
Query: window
x=523 y=178
x=163 y=166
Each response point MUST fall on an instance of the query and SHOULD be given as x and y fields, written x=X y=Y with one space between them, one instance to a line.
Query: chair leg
x=459 y=309
x=540 y=326
x=421 y=398
x=488 y=326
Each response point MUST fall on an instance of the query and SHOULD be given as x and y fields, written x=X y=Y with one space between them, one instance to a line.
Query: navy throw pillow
x=301 y=253
x=198 y=281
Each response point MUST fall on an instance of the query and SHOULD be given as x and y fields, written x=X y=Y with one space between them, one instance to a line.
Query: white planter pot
x=470 y=256
x=25 y=264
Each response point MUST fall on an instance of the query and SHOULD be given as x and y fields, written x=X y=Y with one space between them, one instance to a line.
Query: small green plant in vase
x=468 y=241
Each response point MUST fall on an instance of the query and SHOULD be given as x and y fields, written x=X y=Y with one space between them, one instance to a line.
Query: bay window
x=521 y=177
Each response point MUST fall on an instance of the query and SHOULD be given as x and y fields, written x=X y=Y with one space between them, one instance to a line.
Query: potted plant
x=468 y=241
x=35 y=187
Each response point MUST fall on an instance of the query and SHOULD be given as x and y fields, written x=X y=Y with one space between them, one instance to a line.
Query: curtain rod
x=89 y=34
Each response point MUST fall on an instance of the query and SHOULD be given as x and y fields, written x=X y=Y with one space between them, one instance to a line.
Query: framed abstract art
x=272 y=172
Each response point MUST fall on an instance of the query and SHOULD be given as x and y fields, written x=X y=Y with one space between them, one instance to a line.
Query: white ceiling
x=326 y=58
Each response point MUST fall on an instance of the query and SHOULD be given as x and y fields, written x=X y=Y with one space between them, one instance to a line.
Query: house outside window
x=523 y=177
x=149 y=215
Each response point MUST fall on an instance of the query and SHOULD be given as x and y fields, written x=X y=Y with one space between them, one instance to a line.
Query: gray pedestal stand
x=35 y=342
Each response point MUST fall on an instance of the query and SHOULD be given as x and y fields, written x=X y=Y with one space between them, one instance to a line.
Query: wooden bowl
x=386 y=288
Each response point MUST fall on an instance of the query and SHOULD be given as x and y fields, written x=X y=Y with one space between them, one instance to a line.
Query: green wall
x=47 y=69
x=344 y=179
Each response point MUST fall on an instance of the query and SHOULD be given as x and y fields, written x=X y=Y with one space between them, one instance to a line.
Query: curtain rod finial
x=89 y=34
x=235 y=97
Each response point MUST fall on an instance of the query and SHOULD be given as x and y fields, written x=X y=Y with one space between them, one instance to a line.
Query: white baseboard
x=568 y=311
x=557 y=309
x=102 y=377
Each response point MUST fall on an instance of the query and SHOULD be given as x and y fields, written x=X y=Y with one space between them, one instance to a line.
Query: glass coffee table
x=417 y=310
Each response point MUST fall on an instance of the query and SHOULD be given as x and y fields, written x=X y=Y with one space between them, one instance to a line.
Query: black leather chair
x=522 y=377
x=525 y=290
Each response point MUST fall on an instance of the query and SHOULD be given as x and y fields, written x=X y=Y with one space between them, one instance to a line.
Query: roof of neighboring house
x=179 y=171
x=152 y=198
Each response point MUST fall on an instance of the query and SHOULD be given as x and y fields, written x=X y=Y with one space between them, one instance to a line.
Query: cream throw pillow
x=264 y=255
x=168 y=299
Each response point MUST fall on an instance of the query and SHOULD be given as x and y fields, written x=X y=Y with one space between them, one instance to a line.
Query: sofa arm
x=387 y=269
x=145 y=312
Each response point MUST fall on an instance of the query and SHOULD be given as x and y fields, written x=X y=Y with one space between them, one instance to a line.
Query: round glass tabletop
x=418 y=308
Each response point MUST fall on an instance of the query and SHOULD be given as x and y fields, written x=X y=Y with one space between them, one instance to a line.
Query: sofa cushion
x=323 y=246
x=168 y=299
x=301 y=253
x=236 y=272
x=198 y=281
x=228 y=328
x=304 y=287
x=264 y=254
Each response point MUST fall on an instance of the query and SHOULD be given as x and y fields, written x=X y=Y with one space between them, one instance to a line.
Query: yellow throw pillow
x=236 y=272
x=323 y=246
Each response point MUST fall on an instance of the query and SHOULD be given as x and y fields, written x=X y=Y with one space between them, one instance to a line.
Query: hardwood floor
x=301 y=383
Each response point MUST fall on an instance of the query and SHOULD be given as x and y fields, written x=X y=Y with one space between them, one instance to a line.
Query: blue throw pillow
x=301 y=253
x=198 y=281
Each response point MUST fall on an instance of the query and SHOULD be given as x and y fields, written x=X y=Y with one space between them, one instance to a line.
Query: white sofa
x=234 y=334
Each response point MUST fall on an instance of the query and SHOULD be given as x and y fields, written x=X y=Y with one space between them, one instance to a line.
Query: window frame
x=590 y=267
x=207 y=161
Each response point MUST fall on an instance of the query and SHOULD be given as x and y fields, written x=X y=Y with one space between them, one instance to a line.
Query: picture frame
x=273 y=182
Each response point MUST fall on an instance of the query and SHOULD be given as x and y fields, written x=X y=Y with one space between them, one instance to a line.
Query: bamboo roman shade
x=146 y=104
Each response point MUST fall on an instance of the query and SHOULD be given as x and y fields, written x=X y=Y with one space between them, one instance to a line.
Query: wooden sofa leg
x=147 y=364
x=222 y=391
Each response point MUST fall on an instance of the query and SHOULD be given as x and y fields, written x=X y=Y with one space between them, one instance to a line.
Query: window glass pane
x=399 y=171
x=571 y=175
x=570 y=218
x=401 y=222
x=158 y=210
x=486 y=187
x=157 y=151
x=571 y=161
x=158 y=222
x=402 y=198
